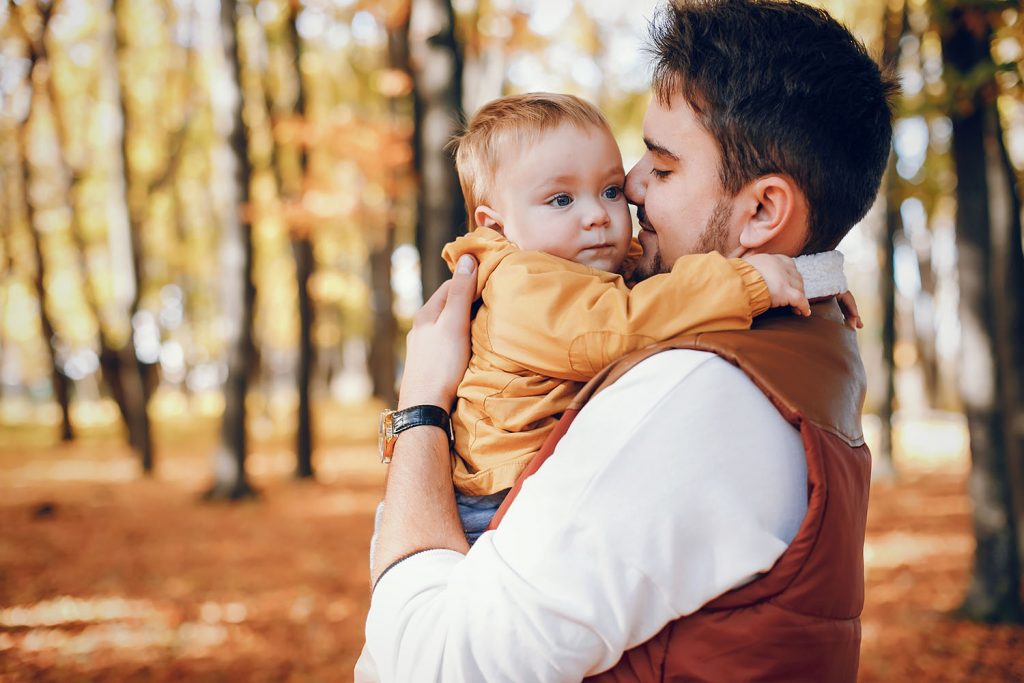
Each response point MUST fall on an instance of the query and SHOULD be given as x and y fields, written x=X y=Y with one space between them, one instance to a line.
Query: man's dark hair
x=783 y=88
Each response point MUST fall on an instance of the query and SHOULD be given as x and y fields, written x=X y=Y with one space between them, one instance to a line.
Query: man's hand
x=419 y=499
x=849 y=307
x=785 y=284
x=437 y=347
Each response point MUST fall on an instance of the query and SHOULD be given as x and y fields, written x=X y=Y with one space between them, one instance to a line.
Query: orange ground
x=105 y=577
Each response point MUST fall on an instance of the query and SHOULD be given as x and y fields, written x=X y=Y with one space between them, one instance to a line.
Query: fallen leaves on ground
x=107 y=577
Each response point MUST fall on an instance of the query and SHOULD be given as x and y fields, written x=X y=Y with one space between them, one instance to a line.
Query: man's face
x=563 y=195
x=676 y=188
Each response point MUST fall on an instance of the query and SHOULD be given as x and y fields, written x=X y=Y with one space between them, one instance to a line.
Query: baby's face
x=563 y=195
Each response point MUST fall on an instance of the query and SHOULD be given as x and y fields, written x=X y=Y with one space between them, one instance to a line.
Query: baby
x=543 y=181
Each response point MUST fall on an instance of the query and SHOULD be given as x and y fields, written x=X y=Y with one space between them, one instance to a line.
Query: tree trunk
x=895 y=26
x=924 y=328
x=385 y=328
x=137 y=378
x=120 y=367
x=884 y=467
x=1008 y=286
x=302 y=248
x=61 y=382
x=994 y=592
x=305 y=264
x=8 y=273
x=230 y=479
x=437 y=74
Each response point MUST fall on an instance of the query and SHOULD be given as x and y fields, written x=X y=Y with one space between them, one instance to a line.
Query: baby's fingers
x=802 y=308
x=797 y=297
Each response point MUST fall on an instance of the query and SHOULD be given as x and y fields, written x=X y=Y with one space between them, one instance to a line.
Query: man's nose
x=636 y=182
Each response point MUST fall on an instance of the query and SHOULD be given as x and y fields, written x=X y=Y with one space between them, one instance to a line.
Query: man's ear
x=775 y=214
x=487 y=217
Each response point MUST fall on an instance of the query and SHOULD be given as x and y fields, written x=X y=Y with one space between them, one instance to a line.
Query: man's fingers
x=435 y=304
x=849 y=306
x=462 y=290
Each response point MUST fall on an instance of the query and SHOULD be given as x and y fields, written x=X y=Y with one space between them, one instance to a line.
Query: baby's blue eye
x=561 y=200
x=613 y=192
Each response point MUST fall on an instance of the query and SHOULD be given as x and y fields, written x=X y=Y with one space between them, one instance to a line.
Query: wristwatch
x=394 y=422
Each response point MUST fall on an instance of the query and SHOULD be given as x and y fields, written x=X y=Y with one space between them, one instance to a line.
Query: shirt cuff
x=754 y=285
x=419 y=567
x=407 y=585
x=822 y=273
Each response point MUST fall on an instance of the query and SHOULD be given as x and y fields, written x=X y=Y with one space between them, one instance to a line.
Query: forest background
x=219 y=217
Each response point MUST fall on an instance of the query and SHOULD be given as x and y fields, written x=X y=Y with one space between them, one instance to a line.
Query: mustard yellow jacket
x=546 y=325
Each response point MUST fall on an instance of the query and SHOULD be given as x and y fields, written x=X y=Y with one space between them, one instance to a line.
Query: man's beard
x=714 y=237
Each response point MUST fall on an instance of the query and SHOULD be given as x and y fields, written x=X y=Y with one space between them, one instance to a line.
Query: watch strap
x=418 y=416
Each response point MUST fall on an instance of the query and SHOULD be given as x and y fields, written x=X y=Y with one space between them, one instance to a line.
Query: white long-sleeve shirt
x=675 y=484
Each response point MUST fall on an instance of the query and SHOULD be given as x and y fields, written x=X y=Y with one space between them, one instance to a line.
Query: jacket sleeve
x=568 y=322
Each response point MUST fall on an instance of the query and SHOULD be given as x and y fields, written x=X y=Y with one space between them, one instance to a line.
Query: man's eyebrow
x=659 y=149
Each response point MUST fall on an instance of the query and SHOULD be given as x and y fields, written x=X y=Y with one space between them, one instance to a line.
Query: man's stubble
x=714 y=237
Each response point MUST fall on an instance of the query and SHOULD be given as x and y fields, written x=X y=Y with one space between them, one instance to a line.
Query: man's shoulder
x=641 y=388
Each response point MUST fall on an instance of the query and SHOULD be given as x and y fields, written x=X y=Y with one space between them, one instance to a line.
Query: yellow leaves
x=103 y=128
x=864 y=17
x=20 y=313
x=145 y=155
x=66 y=609
x=392 y=82
x=270 y=227
x=335 y=287
x=345 y=291
x=326 y=205
x=167 y=404
x=374 y=145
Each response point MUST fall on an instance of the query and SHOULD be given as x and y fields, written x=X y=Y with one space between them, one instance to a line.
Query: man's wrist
x=393 y=423
x=408 y=399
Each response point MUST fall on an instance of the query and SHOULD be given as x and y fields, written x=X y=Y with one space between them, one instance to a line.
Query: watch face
x=386 y=435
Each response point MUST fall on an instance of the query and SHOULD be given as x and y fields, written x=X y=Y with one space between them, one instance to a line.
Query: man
x=702 y=517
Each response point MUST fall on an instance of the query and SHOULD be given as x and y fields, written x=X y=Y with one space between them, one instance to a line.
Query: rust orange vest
x=801 y=620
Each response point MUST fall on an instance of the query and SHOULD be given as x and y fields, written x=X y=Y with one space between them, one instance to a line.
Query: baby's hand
x=785 y=284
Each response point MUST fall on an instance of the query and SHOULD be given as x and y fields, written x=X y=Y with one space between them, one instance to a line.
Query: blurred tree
x=895 y=26
x=124 y=372
x=34 y=32
x=398 y=85
x=302 y=249
x=7 y=274
x=230 y=478
x=988 y=238
x=436 y=60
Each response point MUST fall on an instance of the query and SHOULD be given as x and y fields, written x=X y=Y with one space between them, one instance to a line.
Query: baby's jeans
x=476 y=512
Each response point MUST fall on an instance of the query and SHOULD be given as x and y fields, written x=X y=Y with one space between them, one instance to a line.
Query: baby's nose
x=596 y=218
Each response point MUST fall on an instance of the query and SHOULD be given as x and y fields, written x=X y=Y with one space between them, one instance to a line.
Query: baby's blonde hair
x=508 y=123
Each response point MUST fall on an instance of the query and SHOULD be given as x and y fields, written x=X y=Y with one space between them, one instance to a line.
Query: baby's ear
x=487 y=217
